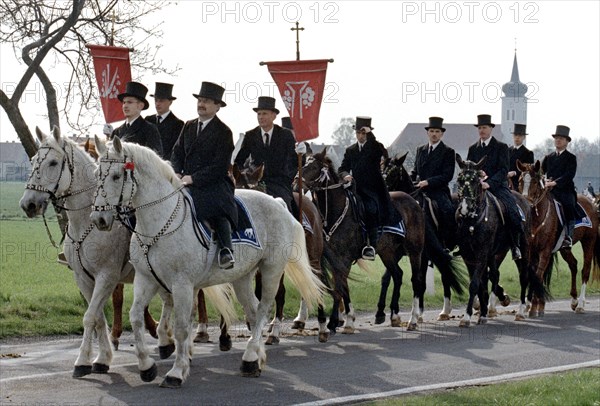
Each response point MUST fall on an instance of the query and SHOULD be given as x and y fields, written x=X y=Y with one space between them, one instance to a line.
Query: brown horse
x=547 y=234
x=346 y=240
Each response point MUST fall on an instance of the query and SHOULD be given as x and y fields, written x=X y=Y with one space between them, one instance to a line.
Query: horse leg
x=150 y=323
x=385 y=284
x=166 y=344
x=117 y=326
x=322 y=319
x=524 y=283
x=202 y=330
x=396 y=274
x=300 y=320
x=334 y=316
x=350 y=316
x=473 y=291
x=483 y=299
x=183 y=302
x=144 y=290
x=225 y=343
x=275 y=327
x=418 y=265
x=569 y=258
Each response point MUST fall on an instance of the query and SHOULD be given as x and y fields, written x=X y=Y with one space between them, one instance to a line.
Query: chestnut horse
x=547 y=235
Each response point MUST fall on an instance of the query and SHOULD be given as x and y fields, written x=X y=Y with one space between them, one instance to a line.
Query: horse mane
x=144 y=156
x=78 y=149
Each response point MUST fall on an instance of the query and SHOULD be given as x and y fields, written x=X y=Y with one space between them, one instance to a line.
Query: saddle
x=244 y=233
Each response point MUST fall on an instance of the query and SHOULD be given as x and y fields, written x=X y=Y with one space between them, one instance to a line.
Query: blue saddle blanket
x=398 y=229
x=245 y=232
x=583 y=220
x=306 y=223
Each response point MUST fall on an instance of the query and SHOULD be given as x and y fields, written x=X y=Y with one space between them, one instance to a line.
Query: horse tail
x=548 y=274
x=332 y=276
x=221 y=297
x=539 y=288
x=299 y=271
x=452 y=272
x=596 y=260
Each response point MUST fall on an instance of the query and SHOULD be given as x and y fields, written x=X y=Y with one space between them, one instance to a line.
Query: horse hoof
x=411 y=327
x=464 y=323
x=171 y=383
x=115 y=344
x=99 y=368
x=541 y=313
x=579 y=310
x=225 y=343
x=298 y=325
x=272 y=340
x=492 y=313
x=519 y=317
x=165 y=351
x=420 y=319
x=150 y=374
x=379 y=319
x=482 y=320
x=341 y=323
x=323 y=337
x=82 y=370
x=443 y=317
x=348 y=330
x=506 y=301
x=250 y=369
x=532 y=315
x=201 y=337
x=397 y=322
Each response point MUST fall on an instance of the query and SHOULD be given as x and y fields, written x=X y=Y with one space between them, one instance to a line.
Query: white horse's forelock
x=146 y=157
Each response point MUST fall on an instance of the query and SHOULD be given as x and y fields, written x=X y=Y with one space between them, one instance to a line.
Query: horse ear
x=520 y=166
x=56 y=133
x=260 y=171
x=459 y=161
x=481 y=161
x=117 y=145
x=402 y=159
x=235 y=171
x=100 y=146
x=39 y=134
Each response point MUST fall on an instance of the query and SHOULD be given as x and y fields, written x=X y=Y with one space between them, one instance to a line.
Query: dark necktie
x=127 y=127
x=430 y=149
x=159 y=119
x=266 y=139
x=199 y=127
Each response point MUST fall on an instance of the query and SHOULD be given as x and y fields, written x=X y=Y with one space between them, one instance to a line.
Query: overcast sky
x=398 y=62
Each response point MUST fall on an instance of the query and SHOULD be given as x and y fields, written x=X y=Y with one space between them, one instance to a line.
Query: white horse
x=64 y=173
x=168 y=256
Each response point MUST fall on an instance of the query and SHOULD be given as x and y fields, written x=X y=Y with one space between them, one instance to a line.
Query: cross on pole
x=297 y=29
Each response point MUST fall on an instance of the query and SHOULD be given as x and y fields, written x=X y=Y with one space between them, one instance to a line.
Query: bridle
x=470 y=191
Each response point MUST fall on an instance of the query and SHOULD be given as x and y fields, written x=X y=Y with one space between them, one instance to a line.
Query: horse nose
x=101 y=221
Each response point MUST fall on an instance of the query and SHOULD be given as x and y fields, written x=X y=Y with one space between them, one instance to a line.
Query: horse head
x=531 y=181
x=250 y=176
x=116 y=183
x=470 y=190
x=318 y=170
x=396 y=176
x=52 y=173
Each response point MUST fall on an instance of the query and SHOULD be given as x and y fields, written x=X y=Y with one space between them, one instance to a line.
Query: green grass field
x=39 y=297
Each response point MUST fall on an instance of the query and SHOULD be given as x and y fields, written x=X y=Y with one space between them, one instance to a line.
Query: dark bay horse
x=484 y=241
x=344 y=237
x=397 y=179
x=547 y=234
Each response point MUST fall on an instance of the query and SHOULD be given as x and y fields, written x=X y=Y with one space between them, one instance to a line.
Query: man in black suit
x=201 y=159
x=494 y=177
x=518 y=151
x=136 y=129
x=169 y=126
x=273 y=146
x=560 y=168
x=434 y=169
x=361 y=163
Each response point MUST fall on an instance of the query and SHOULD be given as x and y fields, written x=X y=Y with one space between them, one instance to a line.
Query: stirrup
x=368 y=253
x=516 y=253
x=62 y=259
x=226 y=260
x=567 y=243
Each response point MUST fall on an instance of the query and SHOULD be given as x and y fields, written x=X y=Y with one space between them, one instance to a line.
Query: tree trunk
x=19 y=124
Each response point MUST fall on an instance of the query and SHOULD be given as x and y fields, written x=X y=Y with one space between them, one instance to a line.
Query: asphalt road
x=377 y=361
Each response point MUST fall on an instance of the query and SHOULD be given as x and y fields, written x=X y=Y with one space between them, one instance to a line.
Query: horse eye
x=116 y=177
x=53 y=163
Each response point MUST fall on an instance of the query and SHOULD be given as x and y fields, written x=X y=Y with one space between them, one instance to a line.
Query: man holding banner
x=273 y=146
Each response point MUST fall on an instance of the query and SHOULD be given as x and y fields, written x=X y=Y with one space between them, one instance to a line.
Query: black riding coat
x=279 y=158
x=522 y=154
x=140 y=132
x=437 y=169
x=562 y=169
x=206 y=159
x=365 y=168
x=169 y=130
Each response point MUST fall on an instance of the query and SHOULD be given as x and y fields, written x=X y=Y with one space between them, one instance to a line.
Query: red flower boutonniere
x=129 y=166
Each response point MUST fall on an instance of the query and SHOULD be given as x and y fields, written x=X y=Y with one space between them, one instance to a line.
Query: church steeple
x=514 y=102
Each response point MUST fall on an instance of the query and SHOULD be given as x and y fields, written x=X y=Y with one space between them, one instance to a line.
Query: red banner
x=301 y=85
x=113 y=71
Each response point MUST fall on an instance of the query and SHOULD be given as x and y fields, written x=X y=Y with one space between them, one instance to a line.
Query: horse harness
x=58 y=207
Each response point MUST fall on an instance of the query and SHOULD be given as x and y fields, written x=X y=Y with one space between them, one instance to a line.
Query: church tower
x=514 y=103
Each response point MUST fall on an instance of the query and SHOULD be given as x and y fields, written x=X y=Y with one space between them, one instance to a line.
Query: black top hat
x=362 y=122
x=266 y=103
x=484 y=119
x=520 y=129
x=562 y=131
x=436 y=122
x=163 y=91
x=137 y=90
x=286 y=122
x=211 y=91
